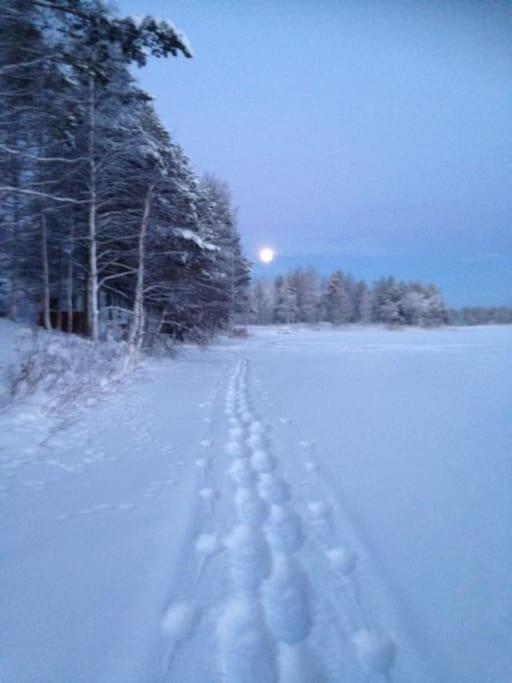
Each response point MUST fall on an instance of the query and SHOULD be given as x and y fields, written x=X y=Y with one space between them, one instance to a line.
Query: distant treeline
x=303 y=296
x=482 y=315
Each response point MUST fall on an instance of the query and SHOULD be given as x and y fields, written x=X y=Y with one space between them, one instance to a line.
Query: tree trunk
x=162 y=320
x=231 y=314
x=15 y=266
x=92 y=288
x=46 y=274
x=69 y=277
x=15 y=254
x=58 y=322
x=136 y=333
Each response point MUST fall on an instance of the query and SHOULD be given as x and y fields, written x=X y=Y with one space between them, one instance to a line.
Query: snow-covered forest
x=303 y=296
x=105 y=226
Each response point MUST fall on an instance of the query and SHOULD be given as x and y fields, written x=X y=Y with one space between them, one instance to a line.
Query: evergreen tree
x=97 y=202
x=337 y=301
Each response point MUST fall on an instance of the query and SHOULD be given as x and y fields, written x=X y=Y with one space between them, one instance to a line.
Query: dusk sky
x=374 y=137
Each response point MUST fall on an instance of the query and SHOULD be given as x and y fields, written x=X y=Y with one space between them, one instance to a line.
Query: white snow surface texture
x=315 y=506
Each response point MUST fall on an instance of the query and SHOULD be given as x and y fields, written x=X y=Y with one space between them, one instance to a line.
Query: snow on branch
x=187 y=234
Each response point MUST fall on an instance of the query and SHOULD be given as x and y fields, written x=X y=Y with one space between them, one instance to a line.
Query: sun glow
x=266 y=255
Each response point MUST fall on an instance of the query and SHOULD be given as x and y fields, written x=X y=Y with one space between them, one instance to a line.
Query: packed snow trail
x=280 y=510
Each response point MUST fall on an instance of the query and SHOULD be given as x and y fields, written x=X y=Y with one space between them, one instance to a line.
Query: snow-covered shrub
x=67 y=369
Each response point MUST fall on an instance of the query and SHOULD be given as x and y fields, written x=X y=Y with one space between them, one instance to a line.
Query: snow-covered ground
x=314 y=506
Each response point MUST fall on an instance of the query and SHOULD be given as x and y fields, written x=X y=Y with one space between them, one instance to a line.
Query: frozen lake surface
x=312 y=506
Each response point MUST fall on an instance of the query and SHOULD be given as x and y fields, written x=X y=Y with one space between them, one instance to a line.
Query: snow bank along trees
x=303 y=296
x=103 y=223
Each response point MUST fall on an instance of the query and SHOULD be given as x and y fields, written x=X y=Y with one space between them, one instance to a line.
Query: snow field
x=365 y=555
x=291 y=599
x=183 y=618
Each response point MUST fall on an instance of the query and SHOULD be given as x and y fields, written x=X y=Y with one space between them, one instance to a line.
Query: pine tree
x=97 y=200
x=337 y=301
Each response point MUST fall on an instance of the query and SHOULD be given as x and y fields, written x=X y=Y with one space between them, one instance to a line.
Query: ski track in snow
x=280 y=617
x=276 y=622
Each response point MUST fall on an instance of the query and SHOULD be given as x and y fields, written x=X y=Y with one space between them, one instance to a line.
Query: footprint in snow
x=256 y=427
x=273 y=489
x=102 y=507
x=300 y=664
x=210 y=496
x=262 y=461
x=307 y=445
x=342 y=560
x=126 y=507
x=251 y=509
x=154 y=485
x=319 y=510
x=178 y=624
x=203 y=464
x=245 y=648
x=257 y=441
x=36 y=485
x=376 y=651
x=249 y=557
x=233 y=448
x=311 y=466
x=235 y=433
x=207 y=544
x=284 y=529
x=241 y=472
x=287 y=600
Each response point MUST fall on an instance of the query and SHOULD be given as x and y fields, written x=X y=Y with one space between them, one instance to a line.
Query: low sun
x=266 y=255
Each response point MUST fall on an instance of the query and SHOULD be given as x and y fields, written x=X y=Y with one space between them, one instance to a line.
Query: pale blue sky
x=373 y=136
